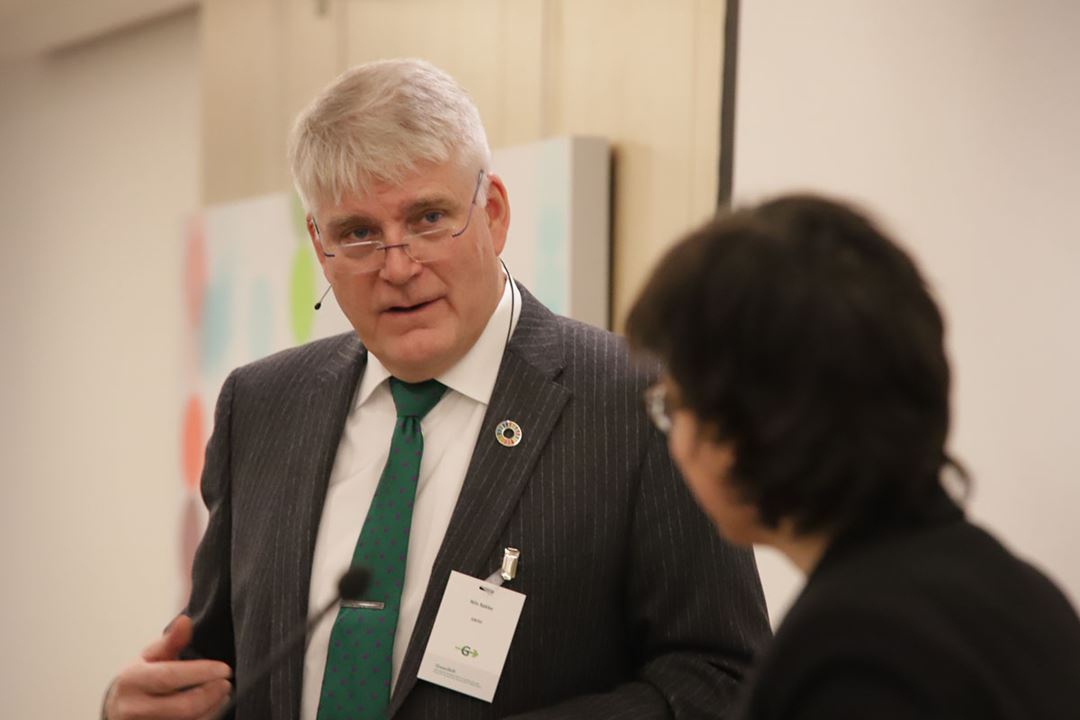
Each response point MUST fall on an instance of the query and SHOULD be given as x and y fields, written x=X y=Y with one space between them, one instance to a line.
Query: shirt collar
x=474 y=374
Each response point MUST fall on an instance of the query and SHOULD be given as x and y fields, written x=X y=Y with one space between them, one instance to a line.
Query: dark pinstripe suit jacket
x=634 y=608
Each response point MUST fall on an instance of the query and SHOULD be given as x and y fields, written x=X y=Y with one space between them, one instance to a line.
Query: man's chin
x=417 y=356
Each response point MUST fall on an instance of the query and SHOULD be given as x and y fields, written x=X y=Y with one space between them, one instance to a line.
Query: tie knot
x=415 y=399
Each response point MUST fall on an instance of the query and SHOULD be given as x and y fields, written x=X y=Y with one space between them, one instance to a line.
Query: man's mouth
x=406 y=309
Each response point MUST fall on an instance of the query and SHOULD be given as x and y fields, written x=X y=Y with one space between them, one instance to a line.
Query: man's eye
x=433 y=217
x=361 y=234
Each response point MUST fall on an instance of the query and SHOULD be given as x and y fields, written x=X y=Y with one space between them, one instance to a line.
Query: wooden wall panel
x=262 y=61
x=645 y=74
x=242 y=89
x=313 y=48
x=491 y=47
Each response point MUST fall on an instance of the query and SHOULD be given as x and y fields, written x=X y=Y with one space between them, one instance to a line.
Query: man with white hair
x=460 y=419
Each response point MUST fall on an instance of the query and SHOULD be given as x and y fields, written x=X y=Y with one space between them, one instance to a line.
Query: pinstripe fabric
x=634 y=608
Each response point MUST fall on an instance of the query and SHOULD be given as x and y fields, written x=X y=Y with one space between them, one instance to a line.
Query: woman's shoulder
x=947 y=610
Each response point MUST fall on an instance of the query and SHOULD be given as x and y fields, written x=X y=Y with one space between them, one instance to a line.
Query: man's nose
x=398 y=265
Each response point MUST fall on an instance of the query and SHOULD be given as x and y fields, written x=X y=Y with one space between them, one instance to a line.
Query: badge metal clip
x=508 y=571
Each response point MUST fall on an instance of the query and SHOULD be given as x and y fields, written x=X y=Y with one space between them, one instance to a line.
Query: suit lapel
x=322 y=408
x=525 y=392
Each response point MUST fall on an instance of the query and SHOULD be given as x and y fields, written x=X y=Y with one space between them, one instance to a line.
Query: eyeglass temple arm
x=472 y=204
x=318 y=236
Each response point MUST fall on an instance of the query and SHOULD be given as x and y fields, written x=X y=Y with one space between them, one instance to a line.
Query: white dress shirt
x=450 y=430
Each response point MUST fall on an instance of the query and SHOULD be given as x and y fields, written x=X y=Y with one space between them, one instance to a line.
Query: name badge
x=471 y=637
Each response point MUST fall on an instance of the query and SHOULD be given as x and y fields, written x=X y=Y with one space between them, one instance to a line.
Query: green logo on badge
x=467 y=651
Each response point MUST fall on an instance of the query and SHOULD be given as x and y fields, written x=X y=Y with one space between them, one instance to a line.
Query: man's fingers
x=171 y=676
x=196 y=702
x=168 y=646
x=201 y=701
x=160 y=686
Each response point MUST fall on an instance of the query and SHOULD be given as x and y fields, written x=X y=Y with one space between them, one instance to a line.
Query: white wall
x=956 y=123
x=98 y=167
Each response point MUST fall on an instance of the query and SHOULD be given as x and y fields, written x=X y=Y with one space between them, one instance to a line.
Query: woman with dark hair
x=806 y=401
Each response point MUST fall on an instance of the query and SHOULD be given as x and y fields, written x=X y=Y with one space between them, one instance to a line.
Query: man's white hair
x=376 y=122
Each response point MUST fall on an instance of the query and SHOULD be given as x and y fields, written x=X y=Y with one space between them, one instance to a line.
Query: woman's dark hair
x=802 y=334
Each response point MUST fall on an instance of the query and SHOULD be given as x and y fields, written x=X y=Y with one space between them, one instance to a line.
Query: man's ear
x=497 y=211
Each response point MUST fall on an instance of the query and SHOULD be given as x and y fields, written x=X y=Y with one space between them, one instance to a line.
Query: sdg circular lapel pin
x=508 y=433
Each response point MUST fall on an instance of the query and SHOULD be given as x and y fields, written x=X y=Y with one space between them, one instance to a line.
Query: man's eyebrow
x=419 y=205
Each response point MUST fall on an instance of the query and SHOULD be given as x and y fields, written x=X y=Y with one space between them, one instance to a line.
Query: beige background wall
x=643 y=73
x=99 y=165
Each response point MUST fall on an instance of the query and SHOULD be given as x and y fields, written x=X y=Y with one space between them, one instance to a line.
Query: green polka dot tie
x=356 y=685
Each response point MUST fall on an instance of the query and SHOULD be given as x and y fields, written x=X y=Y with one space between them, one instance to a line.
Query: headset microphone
x=319 y=304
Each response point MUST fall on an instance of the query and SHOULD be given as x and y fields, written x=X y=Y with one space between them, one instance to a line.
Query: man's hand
x=159 y=686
